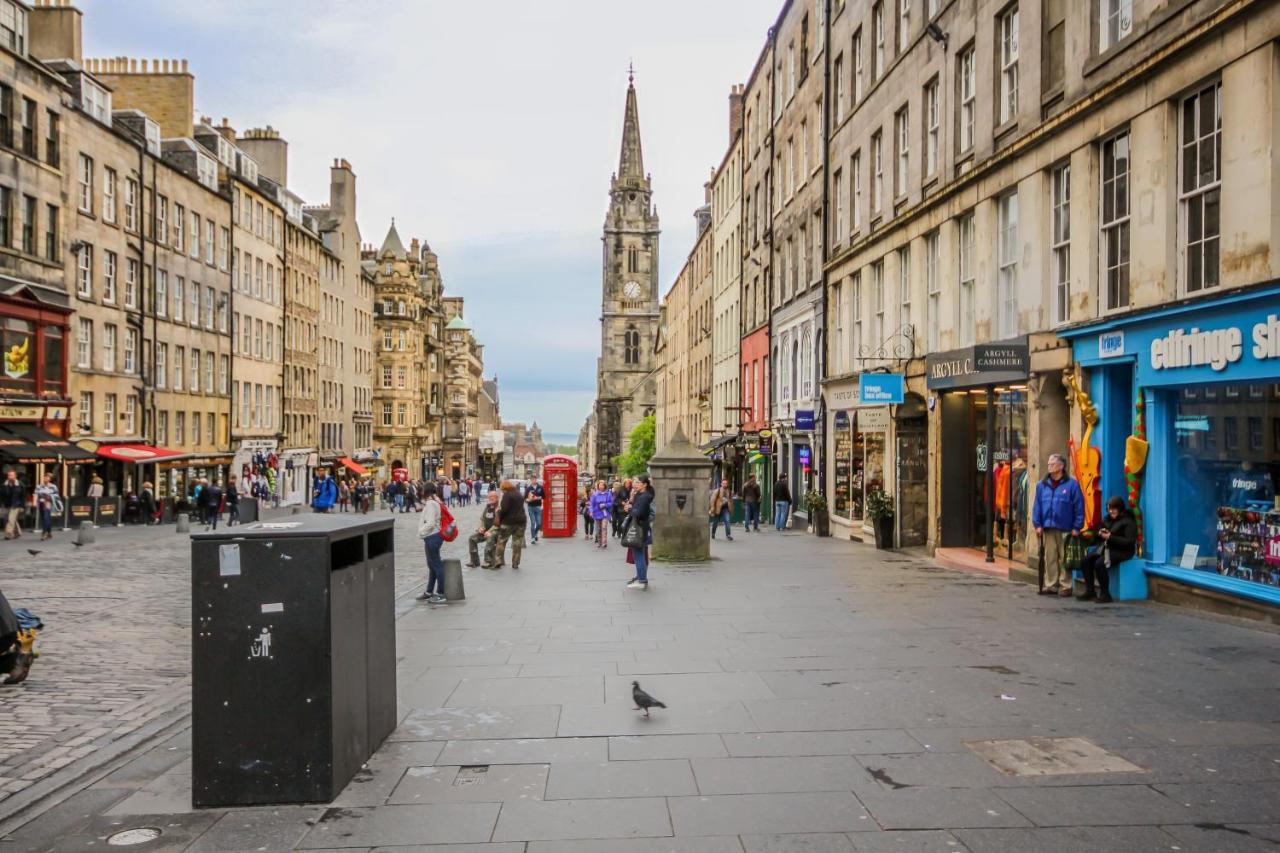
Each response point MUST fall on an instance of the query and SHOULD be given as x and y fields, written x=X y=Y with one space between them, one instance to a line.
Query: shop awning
x=27 y=443
x=350 y=463
x=141 y=454
x=718 y=442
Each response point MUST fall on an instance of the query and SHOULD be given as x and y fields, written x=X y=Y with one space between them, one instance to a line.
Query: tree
x=640 y=449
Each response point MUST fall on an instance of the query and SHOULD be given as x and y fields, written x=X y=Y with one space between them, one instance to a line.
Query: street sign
x=878 y=389
x=804 y=419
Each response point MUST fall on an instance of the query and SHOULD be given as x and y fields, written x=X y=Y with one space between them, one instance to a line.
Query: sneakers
x=438 y=599
x=1104 y=599
x=1087 y=595
x=638 y=584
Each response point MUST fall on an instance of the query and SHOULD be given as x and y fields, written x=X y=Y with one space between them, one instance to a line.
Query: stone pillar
x=682 y=485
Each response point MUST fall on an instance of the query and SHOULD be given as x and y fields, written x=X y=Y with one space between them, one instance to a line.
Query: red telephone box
x=560 y=504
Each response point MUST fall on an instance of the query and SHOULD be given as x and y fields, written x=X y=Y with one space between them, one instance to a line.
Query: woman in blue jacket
x=601 y=509
x=1058 y=509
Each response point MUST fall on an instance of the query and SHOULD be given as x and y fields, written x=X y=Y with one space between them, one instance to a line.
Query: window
x=131 y=204
x=902 y=122
x=904 y=285
x=877 y=41
x=108 y=195
x=29 y=128
x=195 y=428
x=161 y=233
x=932 y=120
x=804 y=151
x=257 y=339
x=857 y=65
x=162 y=365
x=162 y=293
x=1115 y=220
x=837 y=343
x=1060 y=241
x=268 y=345
x=193 y=304
x=631 y=345
x=1007 y=281
x=29 y=224
x=6 y=217
x=179 y=367
x=855 y=187
x=877 y=175
x=904 y=25
x=386 y=340
x=386 y=414
x=86 y=184
x=195 y=235
x=386 y=376
x=1115 y=22
x=223 y=316
x=179 y=428
x=224 y=366
x=208 y=372
x=95 y=100
x=967 y=320
x=52 y=139
x=109 y=347
x=209 y=229
x=968 y=94
x=84 y=272
x=855 y=297
x=179 y=297
x=6 y=113
x=208 y=307
x=86 y=410
x=933 y=288
x=837 y=83
x=130 y=282
x=877 y=304
x=401 y=414
x=84 y=343
x=130 y=350
x=51 y=240
x=837 y=190
x=246 y=394
x=109 y=414
x=1009 y=65
x=194 y=371
x=1201 y=188
x=258 y=269
x=162 y=428
x=402 y=376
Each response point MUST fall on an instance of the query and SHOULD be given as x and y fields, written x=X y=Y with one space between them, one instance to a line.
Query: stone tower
x=625 y=386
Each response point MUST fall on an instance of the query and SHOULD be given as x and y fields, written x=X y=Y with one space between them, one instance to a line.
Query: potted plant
x=816 y=504
x=880 y=511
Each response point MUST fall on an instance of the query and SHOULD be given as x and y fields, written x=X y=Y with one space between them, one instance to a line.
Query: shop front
x=1198 y=387
x=257 y=468
x=980 y=394
x=294 y=474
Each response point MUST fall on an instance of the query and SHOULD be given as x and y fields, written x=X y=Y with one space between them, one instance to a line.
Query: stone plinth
x=681 y=481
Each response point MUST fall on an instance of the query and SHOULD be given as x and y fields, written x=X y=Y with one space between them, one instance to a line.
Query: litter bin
x=293 y=657
x=248 y=509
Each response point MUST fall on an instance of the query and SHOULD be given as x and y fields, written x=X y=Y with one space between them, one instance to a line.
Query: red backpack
x=448 y=527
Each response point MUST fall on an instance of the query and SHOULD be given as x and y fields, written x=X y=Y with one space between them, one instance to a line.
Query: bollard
x=296 y=510
x=184 y=523
x=86 y=533
x=453 y=590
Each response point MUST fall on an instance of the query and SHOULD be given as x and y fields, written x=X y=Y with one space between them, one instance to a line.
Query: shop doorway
x=913 y=472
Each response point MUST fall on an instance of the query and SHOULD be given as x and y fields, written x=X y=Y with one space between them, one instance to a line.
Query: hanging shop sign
x=879 y=389
x=842 y=419
x=874 y=419
x=804 y=419
x=978 y=365
x=1111 y=344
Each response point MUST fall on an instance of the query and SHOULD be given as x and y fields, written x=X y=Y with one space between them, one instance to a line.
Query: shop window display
x=1009 y=476
x=1224 y=482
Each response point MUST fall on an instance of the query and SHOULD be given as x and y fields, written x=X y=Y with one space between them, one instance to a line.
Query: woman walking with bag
x=46 y=496
x=429 y=533
x=638 y=533
x=600 y=510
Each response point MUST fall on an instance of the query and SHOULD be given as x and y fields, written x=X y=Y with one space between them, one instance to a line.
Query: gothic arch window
x=633 y=260
x=804 y=386
x=795 y=370
x=631 y=345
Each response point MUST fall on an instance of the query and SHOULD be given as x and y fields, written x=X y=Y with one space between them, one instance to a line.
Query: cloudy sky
x=487 y=129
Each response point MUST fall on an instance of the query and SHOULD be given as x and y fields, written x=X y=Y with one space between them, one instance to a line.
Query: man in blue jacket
x=1058 y=509
x=326 y=492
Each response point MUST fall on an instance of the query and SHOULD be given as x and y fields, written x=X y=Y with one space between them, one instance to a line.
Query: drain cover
x=469 y=776
x=130 y=837
x=1061 y=756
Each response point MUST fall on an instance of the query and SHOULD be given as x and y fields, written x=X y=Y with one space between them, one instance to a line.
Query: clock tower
x=626 y=390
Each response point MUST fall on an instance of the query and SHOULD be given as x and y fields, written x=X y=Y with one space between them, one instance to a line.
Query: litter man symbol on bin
x=261 y=647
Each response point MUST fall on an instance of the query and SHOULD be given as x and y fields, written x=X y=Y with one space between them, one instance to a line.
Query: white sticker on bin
x=228 y=560
x=273 y=608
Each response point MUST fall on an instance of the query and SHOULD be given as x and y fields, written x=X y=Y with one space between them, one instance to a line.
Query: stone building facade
x=626 y=390
x=684 y=356
x=726 y=222
x=463 y=380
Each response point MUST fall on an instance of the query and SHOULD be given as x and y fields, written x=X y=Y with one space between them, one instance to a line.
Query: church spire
x=631 y=161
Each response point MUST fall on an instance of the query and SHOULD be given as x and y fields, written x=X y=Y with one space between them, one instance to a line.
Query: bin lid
x=302 y=525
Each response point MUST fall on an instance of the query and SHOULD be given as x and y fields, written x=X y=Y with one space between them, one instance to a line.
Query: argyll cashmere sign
x=978 y=365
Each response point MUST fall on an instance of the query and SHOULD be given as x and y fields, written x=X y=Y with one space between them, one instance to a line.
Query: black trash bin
x=293 y=657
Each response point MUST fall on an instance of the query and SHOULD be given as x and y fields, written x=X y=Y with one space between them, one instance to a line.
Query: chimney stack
x=736 y=94
x=53 y=31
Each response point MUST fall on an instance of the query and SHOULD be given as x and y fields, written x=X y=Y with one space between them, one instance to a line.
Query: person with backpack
x=430 y=532
x=325 y=492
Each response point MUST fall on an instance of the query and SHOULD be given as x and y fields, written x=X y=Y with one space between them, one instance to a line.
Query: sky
x=489 y=130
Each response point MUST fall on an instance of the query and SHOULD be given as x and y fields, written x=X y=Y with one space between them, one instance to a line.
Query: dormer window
x=226 y=153
x=13 y=26
x=207 y=170
x=94 y=100
x=151 y=131
x=248 y=168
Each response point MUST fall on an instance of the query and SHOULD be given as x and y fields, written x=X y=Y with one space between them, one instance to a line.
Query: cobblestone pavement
x=115 y=655
x=822 y=697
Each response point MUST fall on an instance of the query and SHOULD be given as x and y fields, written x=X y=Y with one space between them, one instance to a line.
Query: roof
x=391 y=243
x=458 y=323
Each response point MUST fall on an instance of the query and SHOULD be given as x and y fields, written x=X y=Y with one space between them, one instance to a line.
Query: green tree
x=640 y=449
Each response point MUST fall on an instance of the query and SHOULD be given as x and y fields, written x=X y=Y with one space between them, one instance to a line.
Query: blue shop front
x=1203 y=380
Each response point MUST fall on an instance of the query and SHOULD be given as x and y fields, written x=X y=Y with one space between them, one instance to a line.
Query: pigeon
x=77 y=544
x=644 y=700
x=33 y=552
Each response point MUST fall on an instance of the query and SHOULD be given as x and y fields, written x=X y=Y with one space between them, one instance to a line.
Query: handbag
x=1073 y=553
x=633 y=535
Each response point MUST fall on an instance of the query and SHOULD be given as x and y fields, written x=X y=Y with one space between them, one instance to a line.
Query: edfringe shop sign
x=981 y=364
x=1215 y=348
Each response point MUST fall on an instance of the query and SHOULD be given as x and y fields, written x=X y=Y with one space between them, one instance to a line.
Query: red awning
x=353 y=465
x=141 y=454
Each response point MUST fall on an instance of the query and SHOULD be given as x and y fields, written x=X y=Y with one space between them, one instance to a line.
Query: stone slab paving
x=821 y=698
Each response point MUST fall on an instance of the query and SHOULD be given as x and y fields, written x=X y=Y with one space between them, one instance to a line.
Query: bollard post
x=453 y=590
x=86 y=533
x=184 y=523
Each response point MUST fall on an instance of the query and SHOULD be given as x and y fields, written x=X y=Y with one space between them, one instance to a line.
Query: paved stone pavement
x=823 y=697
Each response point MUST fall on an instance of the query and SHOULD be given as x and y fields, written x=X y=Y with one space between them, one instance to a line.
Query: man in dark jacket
x=751 y=504
x=1119 y=543
x=511 y=521
x=487 y=533
x=13 y=498
x=212 y=495
x=781 y=502
x=1058 y=509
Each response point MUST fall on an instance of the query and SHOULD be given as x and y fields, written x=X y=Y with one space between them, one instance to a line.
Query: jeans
x=211 y=516
x=751 y=516
x=641 y=555
x=602 y=533
x=435 y=565
x=233 y=514
x=400 y=502
x=46 y=520
x=535 y=522
x=781 y=509
x=722 y=515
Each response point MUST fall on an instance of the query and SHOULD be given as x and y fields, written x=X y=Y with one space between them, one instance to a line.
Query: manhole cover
x=1062 y=756
x=130 y=837
x=472 y=775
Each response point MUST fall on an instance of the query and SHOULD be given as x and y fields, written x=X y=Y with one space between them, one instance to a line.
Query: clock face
x=631 y=290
